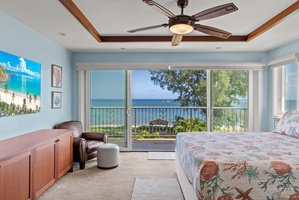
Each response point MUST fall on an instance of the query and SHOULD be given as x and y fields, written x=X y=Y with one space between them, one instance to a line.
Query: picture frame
x=56 y=76
x=56 y=99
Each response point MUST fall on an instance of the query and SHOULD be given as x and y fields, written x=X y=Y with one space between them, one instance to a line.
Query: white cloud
x=22 y=64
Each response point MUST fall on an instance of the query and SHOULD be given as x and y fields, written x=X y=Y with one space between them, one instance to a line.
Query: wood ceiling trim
x=75 y=11
x=168 y=38
x=274 y=21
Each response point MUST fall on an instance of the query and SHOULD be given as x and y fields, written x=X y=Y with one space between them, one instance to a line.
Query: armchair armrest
x=100 y=136
x=79 y=146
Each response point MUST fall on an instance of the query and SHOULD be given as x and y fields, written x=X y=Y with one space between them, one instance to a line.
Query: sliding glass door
x=157 y=104
x=229 y=100
x=109 y=105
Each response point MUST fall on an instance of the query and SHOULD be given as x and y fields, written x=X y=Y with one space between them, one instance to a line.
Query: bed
x=249 y=166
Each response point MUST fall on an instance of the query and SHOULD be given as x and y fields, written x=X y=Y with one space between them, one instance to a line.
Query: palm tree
x=27 y=94
x=24 y=105
x=6 y=90
x=30 y=99
x=34 y=98
x=13 y=97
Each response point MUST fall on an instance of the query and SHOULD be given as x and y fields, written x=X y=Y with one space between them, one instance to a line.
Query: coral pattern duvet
x=250 y=166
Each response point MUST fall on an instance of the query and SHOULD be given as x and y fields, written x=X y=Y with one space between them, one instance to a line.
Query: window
x=291 y=86
x=285 y=84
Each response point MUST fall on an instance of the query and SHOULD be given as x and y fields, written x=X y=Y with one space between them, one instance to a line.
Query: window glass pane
x=107 y=88
x=229 y=100
x=291 y=87
x=165 y=102
x=108 y=104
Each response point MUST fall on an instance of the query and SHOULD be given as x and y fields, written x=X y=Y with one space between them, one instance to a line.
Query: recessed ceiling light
x=62 y=34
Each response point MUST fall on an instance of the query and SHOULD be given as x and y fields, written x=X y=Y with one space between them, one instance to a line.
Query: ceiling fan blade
x=176 y=39
x=147 y=28
x=159 y=8
x=212 y=31
x=215 y=11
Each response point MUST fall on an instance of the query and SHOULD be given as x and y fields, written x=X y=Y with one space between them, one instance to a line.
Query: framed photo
x=56 y=76
x=20 y=85
x=56 y=99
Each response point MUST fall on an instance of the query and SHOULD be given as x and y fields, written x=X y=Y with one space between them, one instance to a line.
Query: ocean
x=23 y=84
x=147 y=102
x=135 y=102
x=291 y=104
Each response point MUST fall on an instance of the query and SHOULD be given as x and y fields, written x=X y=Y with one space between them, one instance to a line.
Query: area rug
x=157 y=189
x=161 y=156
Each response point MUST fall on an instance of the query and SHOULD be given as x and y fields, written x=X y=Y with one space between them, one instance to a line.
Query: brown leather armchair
x=85 y=144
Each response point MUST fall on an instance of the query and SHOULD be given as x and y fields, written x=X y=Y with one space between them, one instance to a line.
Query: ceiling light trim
x=76 y=12
x=168 y=38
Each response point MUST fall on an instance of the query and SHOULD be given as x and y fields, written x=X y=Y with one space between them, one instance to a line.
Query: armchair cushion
x=92 y=145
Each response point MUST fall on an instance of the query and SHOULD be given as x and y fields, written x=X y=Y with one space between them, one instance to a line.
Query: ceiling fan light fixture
x=181 y=28
x=182 y=24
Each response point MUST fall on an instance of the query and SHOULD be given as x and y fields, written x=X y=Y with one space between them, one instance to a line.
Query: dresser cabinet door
x=64 y=154
x=44 y=167
x=15 y=178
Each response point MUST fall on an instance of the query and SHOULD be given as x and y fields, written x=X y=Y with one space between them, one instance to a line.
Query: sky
x=144 y=88
x=12 y=62
x=110 y=85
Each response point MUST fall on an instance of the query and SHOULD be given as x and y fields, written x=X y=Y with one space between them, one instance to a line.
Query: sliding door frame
x=254 y=99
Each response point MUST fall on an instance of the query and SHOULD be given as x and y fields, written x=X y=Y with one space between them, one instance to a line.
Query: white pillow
x=288 y=124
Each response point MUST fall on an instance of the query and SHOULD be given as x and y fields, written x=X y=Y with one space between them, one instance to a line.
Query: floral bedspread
x=246 y=166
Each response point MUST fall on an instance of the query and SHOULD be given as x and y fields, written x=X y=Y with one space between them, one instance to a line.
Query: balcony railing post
x=135 y=124
x=190 y=119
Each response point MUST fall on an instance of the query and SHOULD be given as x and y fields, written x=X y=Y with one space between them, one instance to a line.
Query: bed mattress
x=246 y=166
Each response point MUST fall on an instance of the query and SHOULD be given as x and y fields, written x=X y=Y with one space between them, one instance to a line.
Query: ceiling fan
x=182 y=24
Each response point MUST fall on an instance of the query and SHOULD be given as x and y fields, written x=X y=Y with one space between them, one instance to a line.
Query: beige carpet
x=93 y=183
x=157 y=189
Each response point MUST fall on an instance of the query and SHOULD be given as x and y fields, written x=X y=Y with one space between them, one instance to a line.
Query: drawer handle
x=57 y=140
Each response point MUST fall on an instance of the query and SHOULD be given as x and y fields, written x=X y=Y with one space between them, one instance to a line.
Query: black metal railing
x=159 y=121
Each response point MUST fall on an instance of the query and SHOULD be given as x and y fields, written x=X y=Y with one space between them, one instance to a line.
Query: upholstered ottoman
x=107 y=157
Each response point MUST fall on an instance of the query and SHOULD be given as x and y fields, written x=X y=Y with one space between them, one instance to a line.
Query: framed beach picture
x=20 y=85
x=56 y=99
x=56 y=76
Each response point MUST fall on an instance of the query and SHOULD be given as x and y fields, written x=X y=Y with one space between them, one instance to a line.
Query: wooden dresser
x=31 y=163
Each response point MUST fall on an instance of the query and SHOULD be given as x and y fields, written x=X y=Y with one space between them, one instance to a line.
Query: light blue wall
x=288 y=49
x=17 y=39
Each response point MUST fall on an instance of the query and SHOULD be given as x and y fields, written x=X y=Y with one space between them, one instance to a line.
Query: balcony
x=161 y=124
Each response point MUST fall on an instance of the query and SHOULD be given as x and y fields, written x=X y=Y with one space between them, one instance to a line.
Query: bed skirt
x=187 y=189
